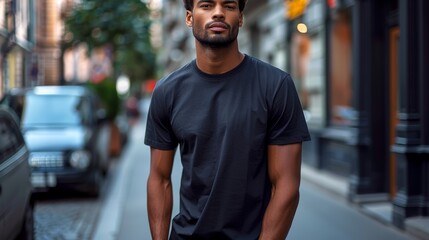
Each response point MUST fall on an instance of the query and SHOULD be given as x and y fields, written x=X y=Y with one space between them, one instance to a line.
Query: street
x=65 y=217
x=72 y=68
x=120 y=213
x=70 y=215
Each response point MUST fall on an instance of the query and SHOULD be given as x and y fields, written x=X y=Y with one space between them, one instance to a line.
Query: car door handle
x=0 y=189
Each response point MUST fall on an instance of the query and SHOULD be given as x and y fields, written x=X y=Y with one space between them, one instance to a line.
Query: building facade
x=177 y=42
x=30 y=39
x=47 y=53
x=372 y=125
x=17 y=39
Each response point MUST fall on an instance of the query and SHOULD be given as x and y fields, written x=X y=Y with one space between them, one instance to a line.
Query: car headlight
x=80 y=159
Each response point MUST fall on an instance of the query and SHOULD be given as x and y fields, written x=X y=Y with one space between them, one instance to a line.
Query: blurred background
x=361 y=68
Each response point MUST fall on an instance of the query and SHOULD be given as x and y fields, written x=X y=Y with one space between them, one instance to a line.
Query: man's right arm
x=159 y=193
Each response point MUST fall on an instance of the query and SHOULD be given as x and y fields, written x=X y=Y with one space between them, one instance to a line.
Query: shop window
x=340 y=72
x=307 y=61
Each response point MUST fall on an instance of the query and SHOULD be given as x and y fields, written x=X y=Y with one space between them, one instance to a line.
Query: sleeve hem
x=157 y=145
x=290 y=140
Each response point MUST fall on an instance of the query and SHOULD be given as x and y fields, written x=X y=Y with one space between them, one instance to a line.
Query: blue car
x=67 y=136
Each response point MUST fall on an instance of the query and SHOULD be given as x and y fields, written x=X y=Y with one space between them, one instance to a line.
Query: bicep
x=284 y=164
x=161 y=162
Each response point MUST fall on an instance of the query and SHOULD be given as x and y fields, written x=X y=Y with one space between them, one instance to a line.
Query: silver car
x=16 y=203
x=66 y=133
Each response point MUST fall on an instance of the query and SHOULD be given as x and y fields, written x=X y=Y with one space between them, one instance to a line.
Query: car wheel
x=105 y=166
x=27 y=230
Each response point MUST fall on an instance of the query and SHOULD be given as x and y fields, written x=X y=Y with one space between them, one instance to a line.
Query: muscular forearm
x=159 y=207
x=279 y=215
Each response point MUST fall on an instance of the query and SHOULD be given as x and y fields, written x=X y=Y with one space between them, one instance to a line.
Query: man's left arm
x=284 y=169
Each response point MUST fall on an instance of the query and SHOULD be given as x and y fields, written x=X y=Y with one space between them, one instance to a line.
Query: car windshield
x=54 y=110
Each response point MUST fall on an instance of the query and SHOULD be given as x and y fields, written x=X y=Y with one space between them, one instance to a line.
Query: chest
x=212 y=111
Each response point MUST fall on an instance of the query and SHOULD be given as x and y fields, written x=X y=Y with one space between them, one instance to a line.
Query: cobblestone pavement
x=65 y=217
x=70 y=215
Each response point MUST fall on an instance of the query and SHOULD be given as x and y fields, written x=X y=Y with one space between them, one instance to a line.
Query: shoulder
x=269 y=77
x=165 y=87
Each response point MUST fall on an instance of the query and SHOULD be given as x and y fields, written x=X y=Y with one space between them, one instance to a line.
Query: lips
x=218 y=26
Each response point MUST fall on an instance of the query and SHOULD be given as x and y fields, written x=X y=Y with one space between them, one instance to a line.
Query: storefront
x=306 y=54
x=361 y=71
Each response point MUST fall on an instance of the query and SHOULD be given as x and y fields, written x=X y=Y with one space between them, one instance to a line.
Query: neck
x=218 y=60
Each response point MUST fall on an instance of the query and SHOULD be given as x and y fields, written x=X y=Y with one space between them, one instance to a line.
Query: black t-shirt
x=223 y=124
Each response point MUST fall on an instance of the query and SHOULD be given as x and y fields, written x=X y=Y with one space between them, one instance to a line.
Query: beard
x=219 y=40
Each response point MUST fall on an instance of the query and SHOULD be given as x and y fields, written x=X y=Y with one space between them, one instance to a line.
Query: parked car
x=16 y=202
x=67 y=136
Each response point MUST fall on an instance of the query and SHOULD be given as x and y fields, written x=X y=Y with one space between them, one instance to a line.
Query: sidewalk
x=381 y=211
x=124 y=212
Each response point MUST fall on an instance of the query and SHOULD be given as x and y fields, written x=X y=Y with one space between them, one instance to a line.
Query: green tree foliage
x=121 y=24
x=106 y=90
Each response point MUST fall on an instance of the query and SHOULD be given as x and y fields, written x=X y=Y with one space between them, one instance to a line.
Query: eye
x=231 y=7
x=205 y=6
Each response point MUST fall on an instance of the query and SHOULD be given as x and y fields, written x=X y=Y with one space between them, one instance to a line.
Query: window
x=9 y=141
x=340 y=74
x=307 y=62
x=59 y=110
x=307 y=65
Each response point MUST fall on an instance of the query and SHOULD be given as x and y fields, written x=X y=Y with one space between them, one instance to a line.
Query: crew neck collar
x=228 y=74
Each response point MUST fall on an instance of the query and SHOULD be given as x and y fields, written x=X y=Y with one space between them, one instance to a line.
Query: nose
x=218 y=12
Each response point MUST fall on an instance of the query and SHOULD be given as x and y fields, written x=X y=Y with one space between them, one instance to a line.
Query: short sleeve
x=159 y=133
x=286 y=122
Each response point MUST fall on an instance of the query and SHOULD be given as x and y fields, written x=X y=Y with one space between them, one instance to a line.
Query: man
x=239 y=124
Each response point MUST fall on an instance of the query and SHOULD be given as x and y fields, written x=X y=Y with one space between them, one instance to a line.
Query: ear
x=240 y=20
x=189 y=18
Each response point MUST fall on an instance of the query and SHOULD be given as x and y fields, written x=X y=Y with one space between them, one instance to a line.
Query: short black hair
x=189 y=4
